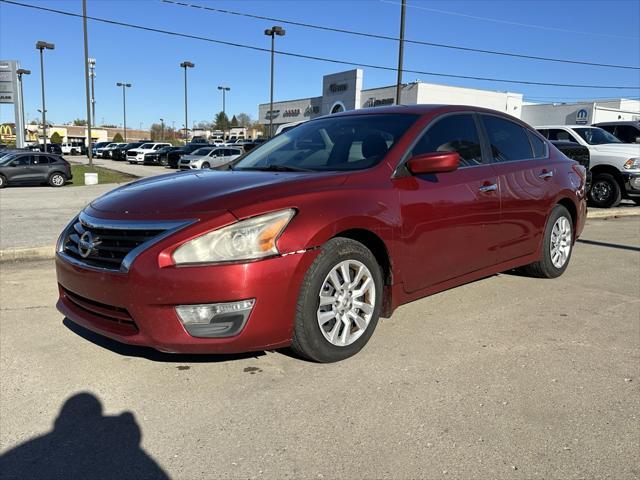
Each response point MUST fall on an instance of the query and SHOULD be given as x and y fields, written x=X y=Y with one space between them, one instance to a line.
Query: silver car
x=209 y=157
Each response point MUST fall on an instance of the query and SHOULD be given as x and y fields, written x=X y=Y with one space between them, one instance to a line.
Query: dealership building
x=343 y=91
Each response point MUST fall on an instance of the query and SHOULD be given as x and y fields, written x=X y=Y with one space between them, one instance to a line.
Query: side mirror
x=437 y=162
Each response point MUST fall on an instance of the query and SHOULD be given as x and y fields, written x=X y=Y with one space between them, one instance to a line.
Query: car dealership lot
x=507 y=377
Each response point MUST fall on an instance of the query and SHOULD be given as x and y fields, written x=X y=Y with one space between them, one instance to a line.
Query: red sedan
x=311 y=237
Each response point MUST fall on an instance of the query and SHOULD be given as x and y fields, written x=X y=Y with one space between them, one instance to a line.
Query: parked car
x=209 y=157
x=73 y=148
x=312 y=237
x=96 y=146
x=107 y=152
x=159 y=157
x=576 y=152
x=198 y=139
x=174 y=156
x=51 y=148
x=246 y=145
x=100 y=151
x=625 y=131
x=24 y=167
x=136 y=155
x=120 y=152
x=615 y=166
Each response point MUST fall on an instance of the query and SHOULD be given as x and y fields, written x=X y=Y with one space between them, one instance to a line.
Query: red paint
x=438 y=230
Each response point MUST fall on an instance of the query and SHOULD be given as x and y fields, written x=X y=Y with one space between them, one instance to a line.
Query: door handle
x=489 y=188
x=545 y=174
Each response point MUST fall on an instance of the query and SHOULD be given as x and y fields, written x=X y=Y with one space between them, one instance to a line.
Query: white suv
x=136 y=155
x=209 y=157
x=615 y=166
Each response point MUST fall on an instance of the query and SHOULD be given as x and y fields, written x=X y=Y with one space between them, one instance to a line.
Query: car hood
x=630 y=149
x=191 y=193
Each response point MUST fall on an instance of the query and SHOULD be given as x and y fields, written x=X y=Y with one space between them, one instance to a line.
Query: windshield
x=147 y=146
x=596 y=136
x=201 y=151
x=343 y=143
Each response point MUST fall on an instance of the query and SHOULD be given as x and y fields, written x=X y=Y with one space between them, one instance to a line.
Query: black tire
x=308 y=341
x=164 y=162
x=3 y=181
x=205 y=165
x=605 y=191
x=57 y=179
x=544 y=268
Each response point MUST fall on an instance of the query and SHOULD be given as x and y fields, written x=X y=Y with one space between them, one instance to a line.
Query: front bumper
x=138 y=307
x=632 y=184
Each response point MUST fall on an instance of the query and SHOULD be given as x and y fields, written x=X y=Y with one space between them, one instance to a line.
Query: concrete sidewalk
x=125 y=167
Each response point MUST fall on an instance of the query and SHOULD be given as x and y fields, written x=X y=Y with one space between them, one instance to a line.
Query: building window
x=337 y=108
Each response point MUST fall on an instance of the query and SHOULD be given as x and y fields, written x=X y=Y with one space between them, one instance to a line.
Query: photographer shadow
x=86 y=444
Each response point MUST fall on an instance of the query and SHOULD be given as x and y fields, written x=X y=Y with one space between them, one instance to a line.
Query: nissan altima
x=314 y=235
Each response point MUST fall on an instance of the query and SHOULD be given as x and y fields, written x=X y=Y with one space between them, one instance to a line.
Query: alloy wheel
x=601 y=191
x=346 y=303
x=57 y=180
x=560 y=245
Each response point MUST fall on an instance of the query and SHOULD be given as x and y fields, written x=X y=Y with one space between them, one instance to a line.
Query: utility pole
x=403 y=9
x=272 y=32
x=86 y=80
x=40 y=45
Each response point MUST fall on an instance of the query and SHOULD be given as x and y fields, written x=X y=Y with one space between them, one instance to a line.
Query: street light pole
x=124 y=105
x=185 y=65
x=40 y=45
x=272 y=32
x=403 y=9
x=224 y=89
x=92 y=74
x=20 y=72
x=162 y=129
x=86 y=80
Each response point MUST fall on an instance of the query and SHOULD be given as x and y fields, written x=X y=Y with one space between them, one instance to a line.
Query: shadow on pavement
x=609 y=245
x=83 y=444
x=150 y=353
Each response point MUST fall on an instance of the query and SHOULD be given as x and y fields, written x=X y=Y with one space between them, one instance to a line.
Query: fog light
x=215 y=319
x=635 y=183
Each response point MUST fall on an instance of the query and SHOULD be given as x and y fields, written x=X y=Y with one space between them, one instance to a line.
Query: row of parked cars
x=190 y=156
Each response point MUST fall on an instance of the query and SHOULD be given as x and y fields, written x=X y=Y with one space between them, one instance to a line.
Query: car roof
x=634 y=123
x=565 y=126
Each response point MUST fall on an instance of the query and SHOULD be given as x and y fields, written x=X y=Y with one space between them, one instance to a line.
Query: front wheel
x=57 y=180
x=3 y=182
x=339 y=302
x=205 y=165
x=605 y=191
x=557 y=245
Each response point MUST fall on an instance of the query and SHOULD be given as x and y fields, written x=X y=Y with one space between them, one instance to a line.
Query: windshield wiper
x=277 y=168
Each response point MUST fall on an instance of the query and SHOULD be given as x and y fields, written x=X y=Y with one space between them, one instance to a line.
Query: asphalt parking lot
x=507 y=377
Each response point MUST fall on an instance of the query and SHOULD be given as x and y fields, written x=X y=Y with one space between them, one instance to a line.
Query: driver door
x=450 y=220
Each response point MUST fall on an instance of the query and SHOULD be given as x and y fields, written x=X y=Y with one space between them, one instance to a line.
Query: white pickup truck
x=136 y=155
x=615 y=166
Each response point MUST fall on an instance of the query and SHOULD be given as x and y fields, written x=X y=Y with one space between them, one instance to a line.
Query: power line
x=313 y=57
x=510 y=22
x=406 y=40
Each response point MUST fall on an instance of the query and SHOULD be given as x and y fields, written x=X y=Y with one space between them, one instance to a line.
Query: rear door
x=450 y=220
x=39 y=168
x=525 y=172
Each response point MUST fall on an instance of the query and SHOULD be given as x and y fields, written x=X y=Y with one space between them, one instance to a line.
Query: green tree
x=117 y=138
x=234 y=122
x=222 y=121
x=56 y=138
x=78 y=122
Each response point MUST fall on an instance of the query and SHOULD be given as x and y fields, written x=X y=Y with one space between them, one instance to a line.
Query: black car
x=627 y=131
x=576 y=152
x=120 y=152
x=36 y=168
x=51 y=148
x=173 y=157
x=160 y=156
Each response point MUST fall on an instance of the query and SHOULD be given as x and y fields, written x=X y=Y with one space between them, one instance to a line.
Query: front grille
x=117 y=315
x=111 y=245
x=131 y=153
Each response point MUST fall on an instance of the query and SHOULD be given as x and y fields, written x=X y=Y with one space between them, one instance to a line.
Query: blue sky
x=596 y=31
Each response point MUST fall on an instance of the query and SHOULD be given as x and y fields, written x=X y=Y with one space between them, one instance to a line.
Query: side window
x=454 y=133
x=39 y=160
x=563 y=135
x=23 y=160
x=508 y=140
x=539 y=147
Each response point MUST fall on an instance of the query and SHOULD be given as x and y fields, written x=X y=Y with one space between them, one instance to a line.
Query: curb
x=27 y=254
x=48 y=253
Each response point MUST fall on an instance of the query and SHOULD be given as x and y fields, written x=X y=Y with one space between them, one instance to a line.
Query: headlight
x=246 y=240
x=632 y=164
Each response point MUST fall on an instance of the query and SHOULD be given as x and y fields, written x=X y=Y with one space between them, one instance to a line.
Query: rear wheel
x=605 y=191
x=339 y=302
x=557 y=245
x=3 y=182
x=57 y=180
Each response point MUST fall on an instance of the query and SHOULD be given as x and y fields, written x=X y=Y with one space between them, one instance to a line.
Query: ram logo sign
x=581 y=116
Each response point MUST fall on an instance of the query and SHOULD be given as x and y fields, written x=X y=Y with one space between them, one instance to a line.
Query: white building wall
x=506 y=102
x=567 y=113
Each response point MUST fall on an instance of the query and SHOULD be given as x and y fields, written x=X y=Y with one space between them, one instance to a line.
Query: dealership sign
x=338 y=87
x=581 y=116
